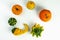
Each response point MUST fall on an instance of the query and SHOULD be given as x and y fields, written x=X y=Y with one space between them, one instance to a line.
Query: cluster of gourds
x=44 y=15
x=36 y=29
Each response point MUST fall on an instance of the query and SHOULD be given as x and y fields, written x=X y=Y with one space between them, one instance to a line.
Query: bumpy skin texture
x=12 y=21
x=45 y=15
x=17 y=9
x=30 y=5
x=17 y=31
x=37 y=30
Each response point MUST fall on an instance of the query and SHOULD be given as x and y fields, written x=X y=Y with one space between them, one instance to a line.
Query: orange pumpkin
x=45 y=15
x=17 y=9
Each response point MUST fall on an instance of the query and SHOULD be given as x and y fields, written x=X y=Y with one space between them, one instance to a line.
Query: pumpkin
x=17 y=9
x=30 y=5
x=18 y=31
x=45 y=15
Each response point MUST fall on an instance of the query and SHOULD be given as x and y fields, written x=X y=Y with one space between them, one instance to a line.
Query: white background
x=51 y=28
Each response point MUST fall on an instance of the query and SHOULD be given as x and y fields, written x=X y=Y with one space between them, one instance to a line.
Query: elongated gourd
x=17 y=31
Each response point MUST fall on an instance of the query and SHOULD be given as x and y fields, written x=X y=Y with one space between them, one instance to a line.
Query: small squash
x=12 y=21
x=37 y=30
x=30 y=5
x=17 y=31
x=17 y=9
x=45 y=15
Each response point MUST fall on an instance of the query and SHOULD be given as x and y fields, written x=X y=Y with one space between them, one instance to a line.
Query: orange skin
x=45 y=15
x=17 y=9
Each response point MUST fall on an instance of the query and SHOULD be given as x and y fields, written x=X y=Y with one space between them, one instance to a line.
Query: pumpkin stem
x=46 y=15
x=17 y=9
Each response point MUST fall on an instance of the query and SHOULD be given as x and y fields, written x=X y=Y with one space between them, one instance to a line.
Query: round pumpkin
x=17 y=9
x=30 y=5
x=45 y=15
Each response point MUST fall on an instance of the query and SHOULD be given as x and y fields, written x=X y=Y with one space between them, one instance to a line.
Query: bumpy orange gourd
x=17 y=9
x=45 y=15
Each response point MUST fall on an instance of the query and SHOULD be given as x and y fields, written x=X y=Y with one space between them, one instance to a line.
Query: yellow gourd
x=30 y=5
x=17 y=31
x=37 y=30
